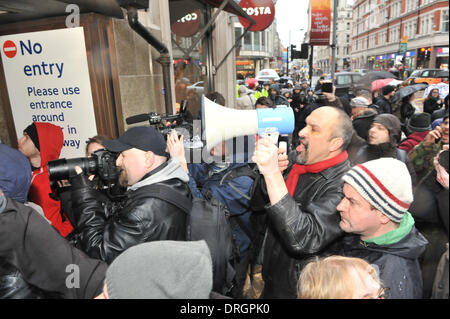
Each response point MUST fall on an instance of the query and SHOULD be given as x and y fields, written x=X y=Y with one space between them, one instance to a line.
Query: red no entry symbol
x=10 y=49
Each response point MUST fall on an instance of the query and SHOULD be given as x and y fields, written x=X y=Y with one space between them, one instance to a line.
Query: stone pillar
x=223 y=40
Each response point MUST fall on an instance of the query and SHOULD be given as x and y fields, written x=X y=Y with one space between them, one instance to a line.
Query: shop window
x=190 y=81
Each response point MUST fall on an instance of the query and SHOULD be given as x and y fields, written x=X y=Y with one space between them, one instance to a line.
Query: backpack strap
x=238 y=172
x=169 y=195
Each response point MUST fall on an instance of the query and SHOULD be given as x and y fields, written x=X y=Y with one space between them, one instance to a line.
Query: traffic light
x=421 y=54
x=304 y=51
x=428 y=54
x=303 y=54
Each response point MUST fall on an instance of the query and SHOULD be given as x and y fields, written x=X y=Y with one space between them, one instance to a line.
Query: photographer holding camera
x=138 y=217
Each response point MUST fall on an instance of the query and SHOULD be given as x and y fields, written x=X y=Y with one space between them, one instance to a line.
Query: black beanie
x=32 y=133
x=419 y=122
x=393 y=125
x=387 y=89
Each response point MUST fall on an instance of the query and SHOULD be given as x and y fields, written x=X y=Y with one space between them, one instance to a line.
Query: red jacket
x=51 y=141
x=412 y=140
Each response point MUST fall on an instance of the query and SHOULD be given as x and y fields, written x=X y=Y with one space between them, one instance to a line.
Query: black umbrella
x=407 y=91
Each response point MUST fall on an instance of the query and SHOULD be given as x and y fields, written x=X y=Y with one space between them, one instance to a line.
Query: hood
x=51 y=140
x=170 y=171
x=276 y=87
x=15 y=173
x=392 y=123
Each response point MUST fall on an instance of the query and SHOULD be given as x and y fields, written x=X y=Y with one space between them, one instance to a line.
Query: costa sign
x=262 y=11
x=188 y=25
x=320 y=22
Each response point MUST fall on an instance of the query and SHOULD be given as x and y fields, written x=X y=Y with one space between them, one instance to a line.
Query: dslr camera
x=102 y=164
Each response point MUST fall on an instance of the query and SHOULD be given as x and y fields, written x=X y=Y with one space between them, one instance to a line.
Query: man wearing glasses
x=377 y=195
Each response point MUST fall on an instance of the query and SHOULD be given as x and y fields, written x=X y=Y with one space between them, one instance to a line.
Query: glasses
x=384 y=293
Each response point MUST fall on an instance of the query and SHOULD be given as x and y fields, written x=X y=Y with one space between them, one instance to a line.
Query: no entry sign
x=47 y=78
x=10 y=49
x=262 y=11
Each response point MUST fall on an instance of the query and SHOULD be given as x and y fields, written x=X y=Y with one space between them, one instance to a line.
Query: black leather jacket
x=13 y=285
x=301 y=227
x=385 y=105
x=29 y=246
x=138 y=218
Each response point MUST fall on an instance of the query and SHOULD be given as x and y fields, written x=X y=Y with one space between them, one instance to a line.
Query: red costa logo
x=10 y=49
x=262 y=11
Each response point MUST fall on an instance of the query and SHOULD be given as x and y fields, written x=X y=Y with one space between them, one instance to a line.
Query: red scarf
x=297 y=170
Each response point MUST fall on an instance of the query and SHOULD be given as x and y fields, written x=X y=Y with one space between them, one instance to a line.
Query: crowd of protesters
x=357 y=207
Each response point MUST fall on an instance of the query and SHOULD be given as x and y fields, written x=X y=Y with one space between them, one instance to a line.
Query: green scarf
x=394 y=236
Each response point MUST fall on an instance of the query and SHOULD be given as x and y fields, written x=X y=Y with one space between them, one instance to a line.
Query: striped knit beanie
x=385 y=183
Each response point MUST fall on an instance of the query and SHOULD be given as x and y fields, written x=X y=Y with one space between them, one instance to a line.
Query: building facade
x=387 y=33
x=257 y=50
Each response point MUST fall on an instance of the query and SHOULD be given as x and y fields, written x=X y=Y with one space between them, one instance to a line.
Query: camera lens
x=64 y=168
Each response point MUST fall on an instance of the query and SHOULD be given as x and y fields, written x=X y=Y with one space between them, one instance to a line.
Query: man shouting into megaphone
x=302 y=195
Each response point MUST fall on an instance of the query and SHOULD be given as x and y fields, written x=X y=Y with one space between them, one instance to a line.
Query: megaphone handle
x=283 y=145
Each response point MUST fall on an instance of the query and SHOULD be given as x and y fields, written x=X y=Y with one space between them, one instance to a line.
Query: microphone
x=137 y=118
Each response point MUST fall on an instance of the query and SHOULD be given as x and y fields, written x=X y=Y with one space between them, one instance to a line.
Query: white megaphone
x=221 y=123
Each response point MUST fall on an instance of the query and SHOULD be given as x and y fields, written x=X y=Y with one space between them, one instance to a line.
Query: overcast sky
x=292 y=15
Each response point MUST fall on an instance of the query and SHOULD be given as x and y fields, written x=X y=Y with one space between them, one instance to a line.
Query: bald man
x=302 y=216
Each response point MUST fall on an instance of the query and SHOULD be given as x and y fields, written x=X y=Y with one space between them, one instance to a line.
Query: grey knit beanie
x=161 y=270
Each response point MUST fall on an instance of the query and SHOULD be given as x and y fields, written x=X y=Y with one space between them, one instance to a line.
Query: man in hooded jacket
x=276 y=97
x=383 y=139
x=41 y=143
